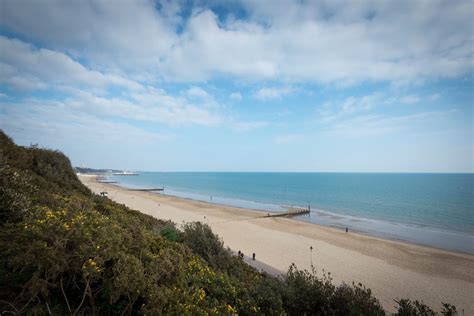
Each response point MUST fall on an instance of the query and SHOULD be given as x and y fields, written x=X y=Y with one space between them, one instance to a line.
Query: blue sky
x=384 y=86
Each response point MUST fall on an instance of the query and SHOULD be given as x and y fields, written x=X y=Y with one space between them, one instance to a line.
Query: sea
x=429 y=209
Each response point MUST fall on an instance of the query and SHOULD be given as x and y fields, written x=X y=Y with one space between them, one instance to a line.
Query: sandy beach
x=392 y=269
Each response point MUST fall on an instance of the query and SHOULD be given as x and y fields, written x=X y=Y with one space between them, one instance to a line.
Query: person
x=347 y=229
x=253 y=256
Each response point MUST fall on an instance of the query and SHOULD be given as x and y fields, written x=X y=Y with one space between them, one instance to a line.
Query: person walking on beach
x=347 y=229
x=253 y=256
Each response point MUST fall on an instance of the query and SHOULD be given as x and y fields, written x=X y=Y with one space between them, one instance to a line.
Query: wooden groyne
x=291 y=213
x=148 y=190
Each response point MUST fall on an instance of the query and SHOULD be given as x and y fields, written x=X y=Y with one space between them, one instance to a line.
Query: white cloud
x=409 y=99
x=151 y=105
x=235 y=96
x=123 y=33
x=197 y=92
x=266 y=94
x=206 y=49
x=47 y=121
x=19 y=81
x=248 y=126
x=288 y=139
x=380 y=124
x=434 y=97
x=283 y=113
x=325 y=42
x=364 y=103
x=25 y=67
x=334 y=110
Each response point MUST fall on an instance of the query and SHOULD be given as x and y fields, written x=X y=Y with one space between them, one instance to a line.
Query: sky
x=251 y=85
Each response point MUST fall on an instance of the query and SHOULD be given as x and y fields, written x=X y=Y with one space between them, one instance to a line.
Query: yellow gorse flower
x=202 y=294
x=230 y=309
x=91 y=265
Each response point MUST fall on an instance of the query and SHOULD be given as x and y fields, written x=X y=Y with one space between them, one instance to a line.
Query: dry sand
x=391 y=269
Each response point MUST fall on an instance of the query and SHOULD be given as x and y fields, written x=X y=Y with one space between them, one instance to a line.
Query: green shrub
x=200 y=238
x=15 y=193
x=449 y=309
x=408 y=307
x=170 y=233
x=308 y=294
x=355 y=299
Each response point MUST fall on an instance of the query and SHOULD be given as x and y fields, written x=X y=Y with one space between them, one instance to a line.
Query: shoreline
x=392 y=269
x=412 y=231
x=375 y=234
x=262 y=213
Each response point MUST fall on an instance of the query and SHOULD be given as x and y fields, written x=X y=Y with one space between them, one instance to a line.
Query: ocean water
x=430 y=209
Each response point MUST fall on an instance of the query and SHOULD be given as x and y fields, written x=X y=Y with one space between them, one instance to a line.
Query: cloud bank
x=298 y=41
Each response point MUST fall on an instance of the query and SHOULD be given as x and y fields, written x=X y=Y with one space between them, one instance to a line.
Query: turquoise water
x=431 y=209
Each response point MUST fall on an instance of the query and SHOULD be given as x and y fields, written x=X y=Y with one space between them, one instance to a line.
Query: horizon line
x=347 y=172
